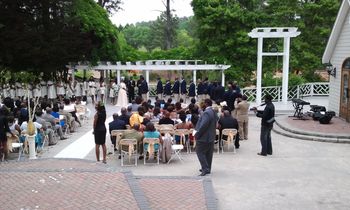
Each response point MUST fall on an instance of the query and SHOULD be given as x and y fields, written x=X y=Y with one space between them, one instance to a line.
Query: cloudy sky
x=145 y=10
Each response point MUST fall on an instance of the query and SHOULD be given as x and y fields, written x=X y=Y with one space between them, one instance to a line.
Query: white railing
x=299 y=91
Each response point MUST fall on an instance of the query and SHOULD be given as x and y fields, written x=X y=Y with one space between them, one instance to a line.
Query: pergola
x=286 y=33
x=156 y=65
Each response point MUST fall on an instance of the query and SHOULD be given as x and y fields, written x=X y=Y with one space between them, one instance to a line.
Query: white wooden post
x=195 y=77
x=259 y=71
x=147 y=80
x=118 y=76
x=223 y=78
x=285 y=78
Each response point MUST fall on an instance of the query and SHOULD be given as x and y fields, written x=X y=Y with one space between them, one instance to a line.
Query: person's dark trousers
x=204 y=152
x=237 y=141
x=265 y=139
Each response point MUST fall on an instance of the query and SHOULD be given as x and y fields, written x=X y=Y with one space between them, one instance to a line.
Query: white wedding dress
x=122 y=96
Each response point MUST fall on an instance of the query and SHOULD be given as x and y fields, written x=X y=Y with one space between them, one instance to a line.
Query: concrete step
x=277 y=129
x=279 y=122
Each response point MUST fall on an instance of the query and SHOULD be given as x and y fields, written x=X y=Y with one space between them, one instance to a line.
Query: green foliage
x=44 y=36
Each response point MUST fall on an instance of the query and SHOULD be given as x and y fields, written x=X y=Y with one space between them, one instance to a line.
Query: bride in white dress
x=122 y=95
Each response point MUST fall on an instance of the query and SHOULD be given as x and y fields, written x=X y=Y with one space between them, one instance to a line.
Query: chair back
x=118 y=134
x=166 y=128
x=130 y=143
x=230 y=132
x=182 y=133
x=217 y=135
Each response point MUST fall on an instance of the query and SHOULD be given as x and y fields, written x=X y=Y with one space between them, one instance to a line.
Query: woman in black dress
x=100 y=130
x=4 y=129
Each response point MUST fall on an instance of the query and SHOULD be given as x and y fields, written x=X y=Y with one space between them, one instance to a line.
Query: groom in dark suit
x=205 y=136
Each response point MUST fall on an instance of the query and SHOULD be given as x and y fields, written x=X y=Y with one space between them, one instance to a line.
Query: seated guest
x=54 y=122
x=168 y=103
x=156 y=114
x=135 y=133
x=129 y=111
x=137 y=117
x=116 y=124
x=227 y=121
x=14 y=127
x=166 y=119
x=172 y=112
x=146 y=119
x=47 y=130
x=151 y=132
x=124 y=115
x=71 y=108
x=23 y=114
x=182 y=125
x=69 y=118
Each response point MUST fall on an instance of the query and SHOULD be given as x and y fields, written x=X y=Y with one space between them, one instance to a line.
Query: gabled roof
x=337 y=27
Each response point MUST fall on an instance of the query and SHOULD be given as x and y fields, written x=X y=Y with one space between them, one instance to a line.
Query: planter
x=31 y=144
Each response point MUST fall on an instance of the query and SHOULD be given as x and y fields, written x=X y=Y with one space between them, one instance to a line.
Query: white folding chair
x=16 y=144
x=182 y=133
x=231 y=135
x=117 y=134
x=218 y=139
x=131 y=145
x=150 y=148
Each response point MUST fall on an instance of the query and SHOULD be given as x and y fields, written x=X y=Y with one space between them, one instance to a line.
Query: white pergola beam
x=155 y=67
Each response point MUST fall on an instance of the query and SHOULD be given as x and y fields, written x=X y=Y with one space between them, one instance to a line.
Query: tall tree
x=111 y=6
x=45 y=35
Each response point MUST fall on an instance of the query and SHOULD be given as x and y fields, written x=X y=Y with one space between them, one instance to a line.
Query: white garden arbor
x=157 y=65
x=280 y=32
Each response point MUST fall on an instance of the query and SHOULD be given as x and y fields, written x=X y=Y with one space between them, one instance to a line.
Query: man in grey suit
x=205 y=136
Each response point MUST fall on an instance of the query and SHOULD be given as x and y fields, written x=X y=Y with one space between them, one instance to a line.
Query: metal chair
x=131 y=145
x=16 y=144
x=231 y=135
x=151 y=143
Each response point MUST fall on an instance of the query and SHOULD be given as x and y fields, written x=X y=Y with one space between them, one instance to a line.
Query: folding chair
x=118 y=134
x=131 y=145
x=151 y=144
x=231 y=135
x=82 y=112
x=17 y=144
x=217 y=139
x=182 y=134
x=176 y=148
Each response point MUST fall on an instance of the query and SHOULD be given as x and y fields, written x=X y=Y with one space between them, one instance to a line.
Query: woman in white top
x=77 y=89
x=37 y=91
x=60 y=90
x=122 y=95
x=19 y=90
x=43 y=85
x=113 y=89
x=92 y=90
x=51 y=90
x=12 y=91
x=102 y=91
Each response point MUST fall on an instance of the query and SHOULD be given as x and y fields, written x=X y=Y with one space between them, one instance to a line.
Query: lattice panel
x=321 y=89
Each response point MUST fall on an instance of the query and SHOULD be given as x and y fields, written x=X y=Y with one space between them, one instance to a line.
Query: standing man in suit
x=176 y=89
x=159 y=89
x=205 y=137
x=167 y=90
x=267 y=119
x=130 y=85
x=183 y=89
x=192 y=90
x=200 y=90
x=144 y=88
x=242 y=108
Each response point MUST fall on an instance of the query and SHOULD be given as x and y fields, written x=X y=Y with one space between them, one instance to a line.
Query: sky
x=146 y=10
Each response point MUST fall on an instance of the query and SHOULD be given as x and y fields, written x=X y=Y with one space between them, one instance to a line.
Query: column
x=73 y=75
x=285 y=79
x=147 y=80
x=259 y=71
x=118 y=76
x=223 y=78
x=195 y=77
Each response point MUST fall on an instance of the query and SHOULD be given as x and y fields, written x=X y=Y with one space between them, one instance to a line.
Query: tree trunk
x=168 y=26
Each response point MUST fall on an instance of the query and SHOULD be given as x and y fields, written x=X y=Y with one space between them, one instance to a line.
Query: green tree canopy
x=45 y=35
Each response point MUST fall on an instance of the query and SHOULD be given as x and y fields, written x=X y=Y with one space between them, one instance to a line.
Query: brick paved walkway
x=82 y=184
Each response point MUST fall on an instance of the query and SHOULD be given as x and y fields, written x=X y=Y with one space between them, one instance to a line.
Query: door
x=344 y=95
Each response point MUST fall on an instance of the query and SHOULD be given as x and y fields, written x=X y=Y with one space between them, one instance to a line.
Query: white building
x=337 y=53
